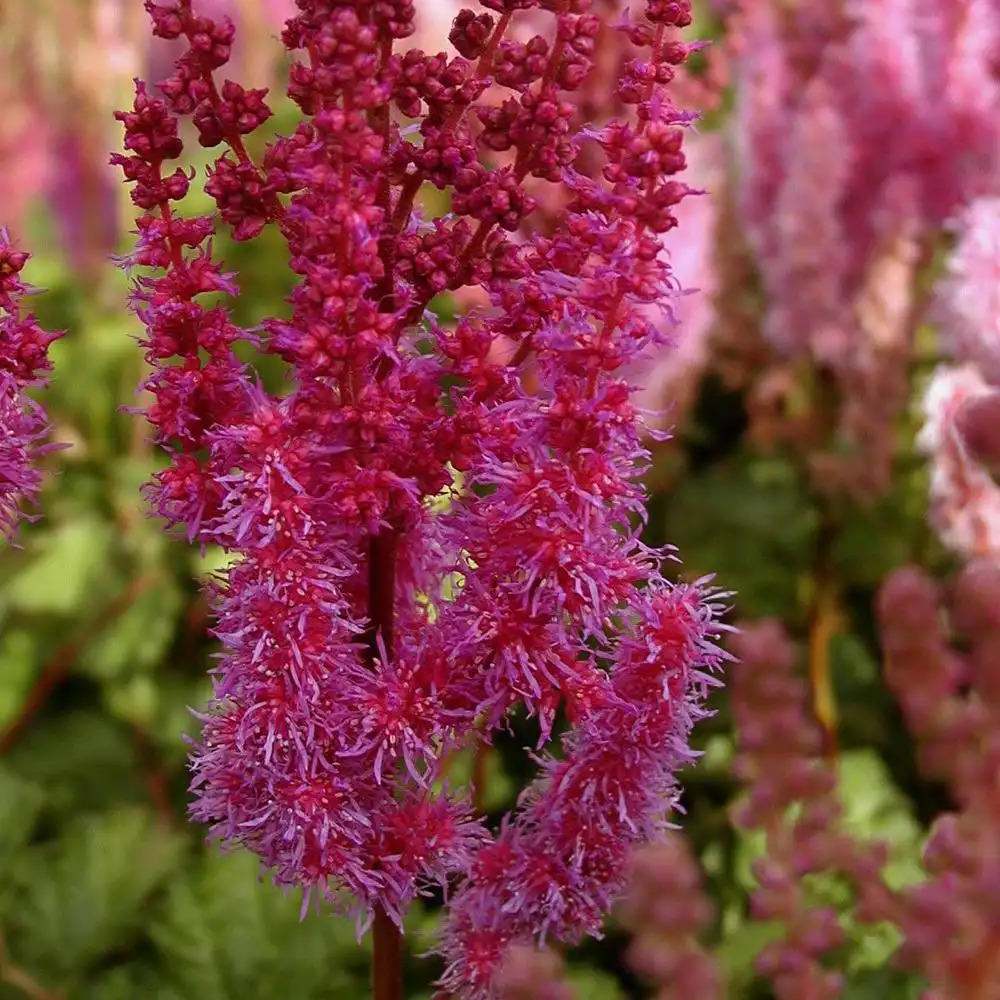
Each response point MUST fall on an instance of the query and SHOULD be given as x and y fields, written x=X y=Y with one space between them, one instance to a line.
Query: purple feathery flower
x=23 y=363
x=425 y=537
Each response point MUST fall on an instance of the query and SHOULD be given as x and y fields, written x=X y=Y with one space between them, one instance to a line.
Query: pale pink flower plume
x=670 y=378
x=964 y=498
x=831 y=113
x=967 y=302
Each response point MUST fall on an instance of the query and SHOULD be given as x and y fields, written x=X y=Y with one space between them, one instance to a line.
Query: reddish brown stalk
x=381 y=592
x=66 y=655
x=387 y=958
x=387 y=941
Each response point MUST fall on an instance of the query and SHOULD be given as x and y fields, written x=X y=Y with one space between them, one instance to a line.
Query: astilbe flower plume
x=964 y=497
x=859 y=129
x=966 y=305
x=791 y=797
x=951 y=704
x=961 y=433
x=421 y=544
x=667 y=909
x=24 y=363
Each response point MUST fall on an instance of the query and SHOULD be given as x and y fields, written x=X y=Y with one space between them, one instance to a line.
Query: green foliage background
x=107 y=893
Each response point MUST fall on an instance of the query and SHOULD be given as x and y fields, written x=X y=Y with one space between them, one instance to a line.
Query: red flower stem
x=387 y=958
x=387 y=941
x=381 y=592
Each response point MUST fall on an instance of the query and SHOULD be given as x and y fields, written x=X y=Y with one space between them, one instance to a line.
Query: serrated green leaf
x=86 y=895
x=228 y=936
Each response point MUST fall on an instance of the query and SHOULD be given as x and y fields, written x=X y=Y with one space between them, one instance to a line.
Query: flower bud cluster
x=423 y=539
x=791 y=798
x=532 y=974
x=667 y=909
x=951 y=703
x=24 y=364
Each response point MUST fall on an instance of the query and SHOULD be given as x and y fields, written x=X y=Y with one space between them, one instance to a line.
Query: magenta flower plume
x=425 y=538
x=24 y=361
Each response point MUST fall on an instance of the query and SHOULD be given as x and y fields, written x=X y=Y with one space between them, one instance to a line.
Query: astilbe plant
x=667 y=909
x=950 y=698
x=962 y=399
x=421 y=545
x=791 y=797
x=858 y=130
x=24 y=362
x=940 y=647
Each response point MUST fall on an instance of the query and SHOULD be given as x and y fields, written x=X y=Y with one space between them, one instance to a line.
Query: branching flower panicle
x=24 y=364
x=422 y=543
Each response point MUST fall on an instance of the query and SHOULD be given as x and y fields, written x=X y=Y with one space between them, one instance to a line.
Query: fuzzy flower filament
x=423 y=538
x=24 y=363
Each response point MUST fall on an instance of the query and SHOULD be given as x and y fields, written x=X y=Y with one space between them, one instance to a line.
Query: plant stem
x=387 y=941
x=824 y=623
x=381 y=593
x=387 y=958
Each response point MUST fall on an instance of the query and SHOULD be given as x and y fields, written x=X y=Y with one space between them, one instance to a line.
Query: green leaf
x=591 y=984
x=20 y=805
x=875 y=809
x=87 y=894
x=858 y=690
x=228 y=936
x=83 y=760
x=740 y=947
x=125 y=982
x=137 y=640
x=67 y=570
x=883 y=984
x=874 y=539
